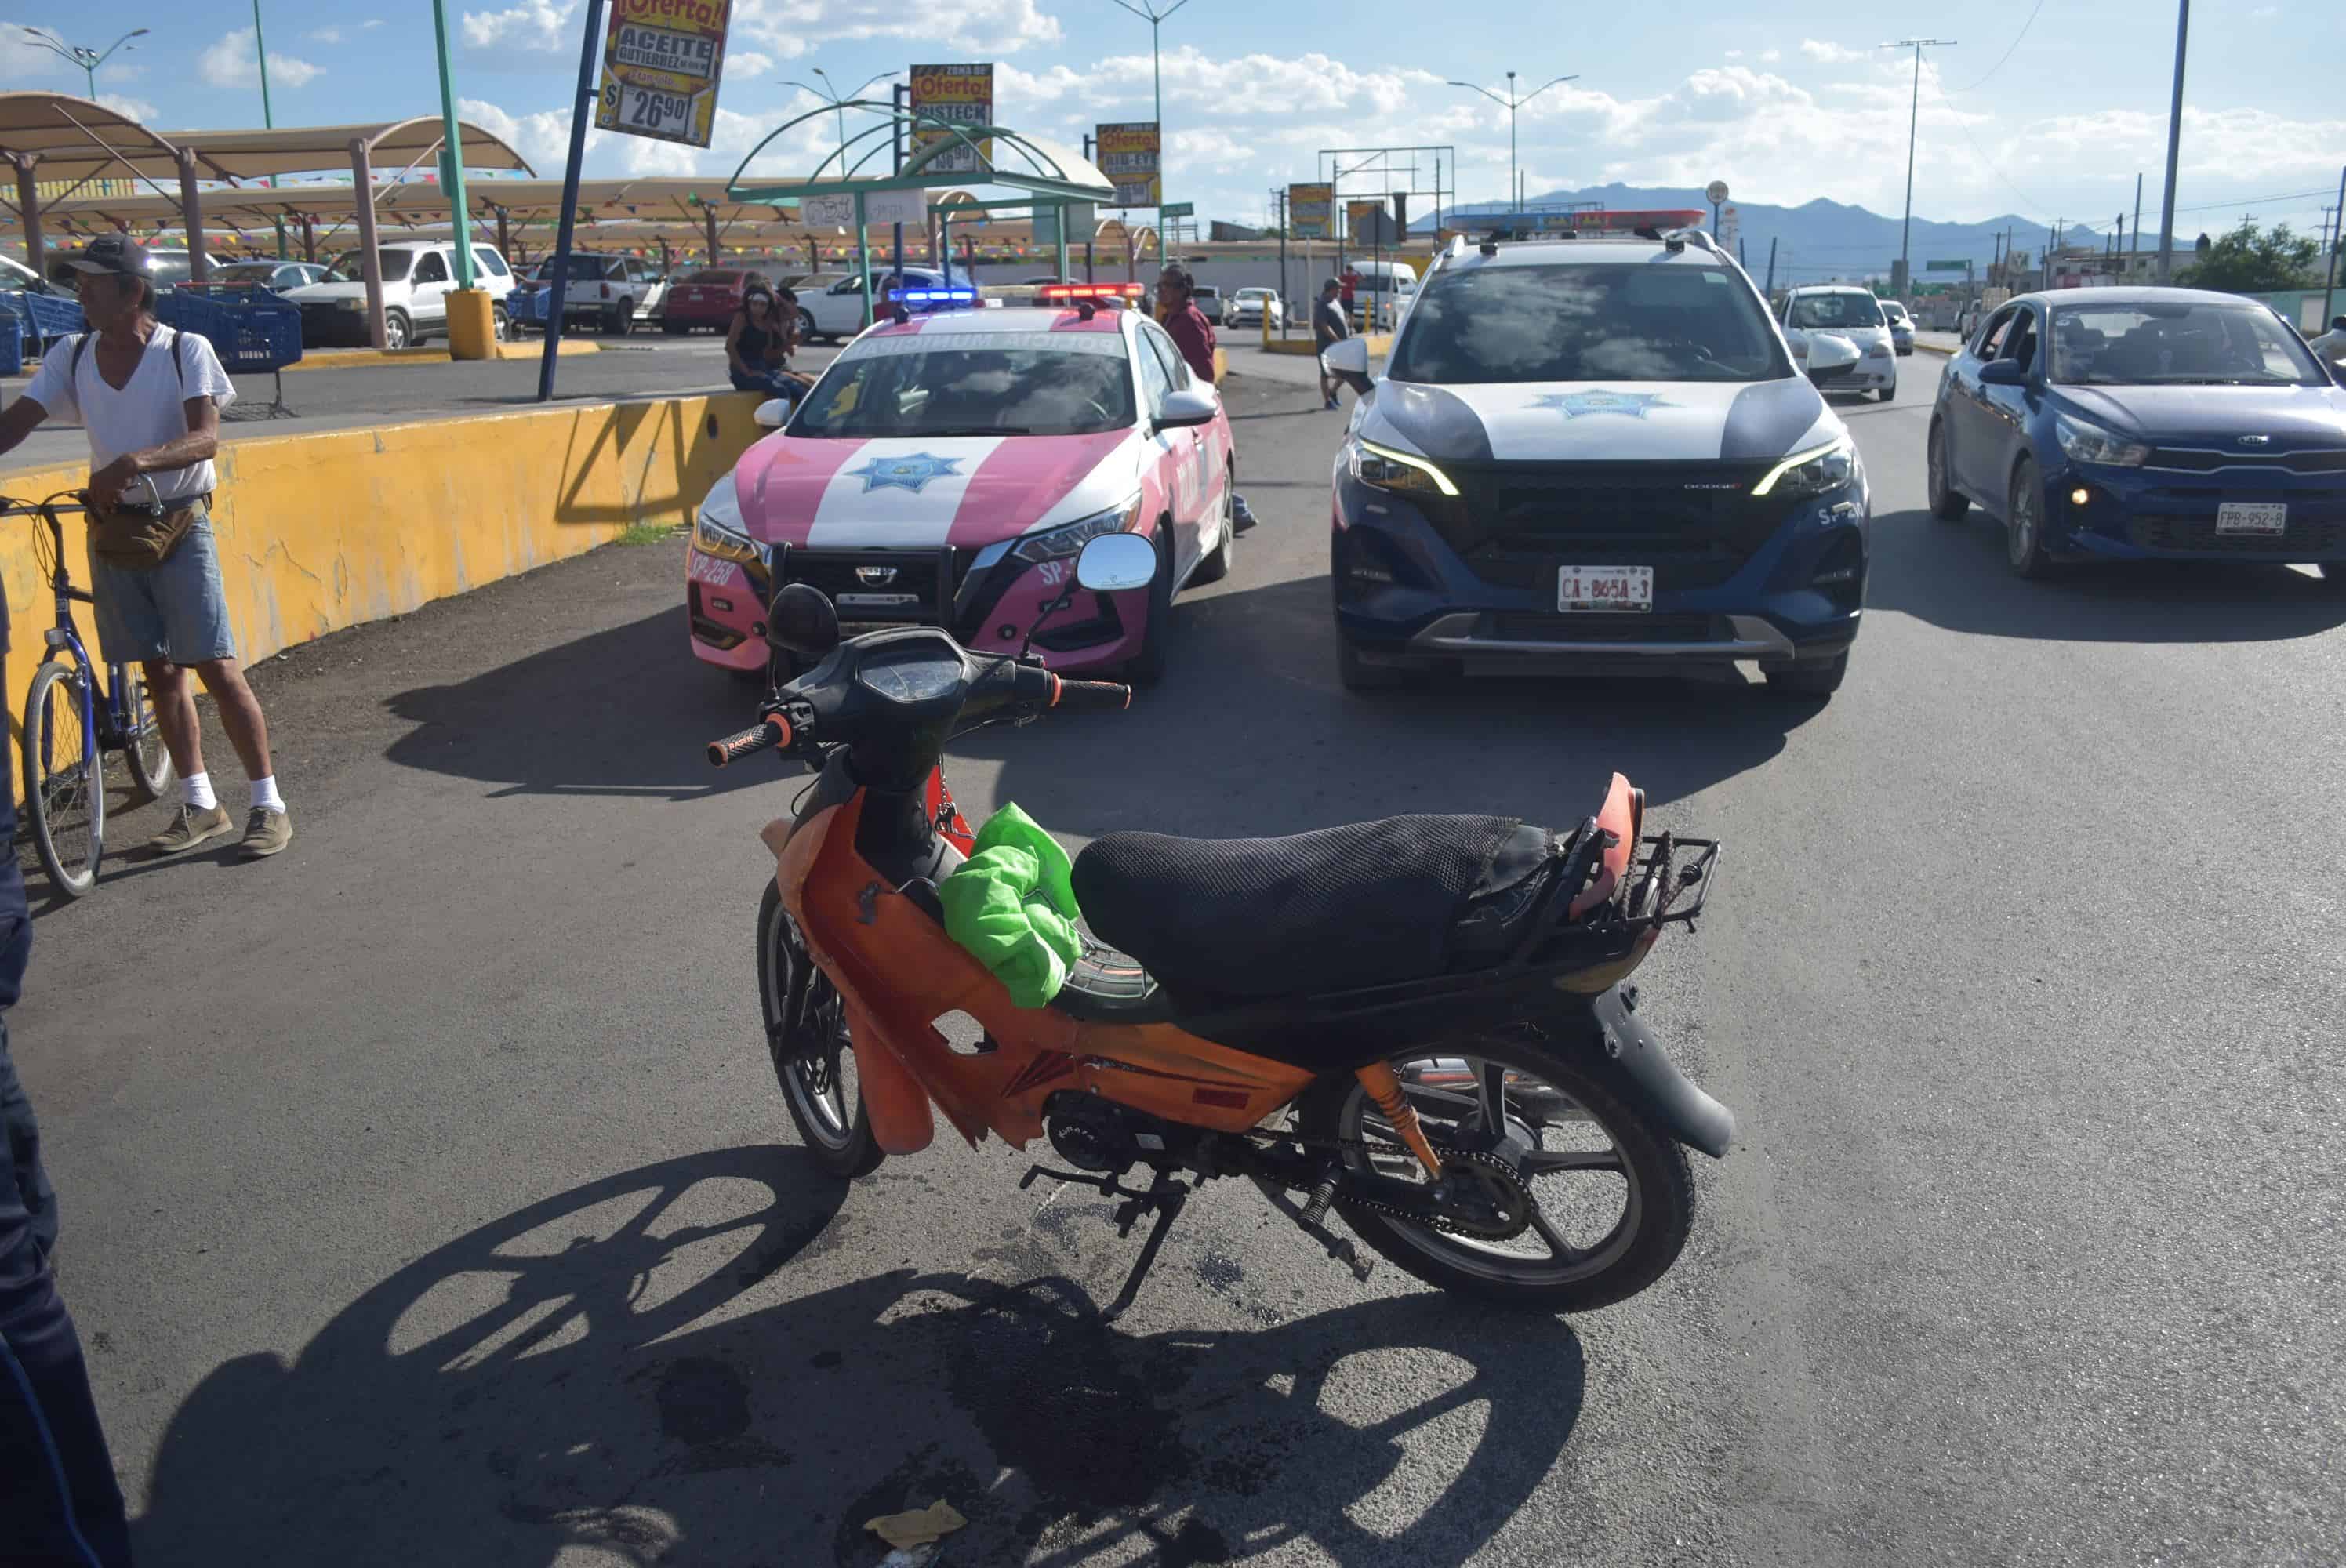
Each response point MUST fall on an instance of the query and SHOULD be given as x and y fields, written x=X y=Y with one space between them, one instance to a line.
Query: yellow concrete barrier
x=349 y=358
x=324 y=531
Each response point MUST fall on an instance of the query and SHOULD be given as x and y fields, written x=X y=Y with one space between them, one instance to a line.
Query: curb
x=352 y=359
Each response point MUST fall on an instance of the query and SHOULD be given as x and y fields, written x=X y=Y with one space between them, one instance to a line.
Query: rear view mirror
x=773 y=413
x=1113 y=563
x=801 y=621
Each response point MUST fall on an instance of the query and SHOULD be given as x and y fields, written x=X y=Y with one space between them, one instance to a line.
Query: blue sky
x=2045 y=108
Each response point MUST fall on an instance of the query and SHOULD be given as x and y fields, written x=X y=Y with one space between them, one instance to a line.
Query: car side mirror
x=1347 y=360
x=1190 y=406
x=1112 y=563
x=773 y=413
x=1829 y=354
x=802 y=620
x=2004 y=373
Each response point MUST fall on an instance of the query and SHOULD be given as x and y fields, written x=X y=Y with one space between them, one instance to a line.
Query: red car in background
x=709 y=297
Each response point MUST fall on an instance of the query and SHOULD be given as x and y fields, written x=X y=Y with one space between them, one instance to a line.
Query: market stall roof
x=678 y=200
x=60 y=130
x=76 y=139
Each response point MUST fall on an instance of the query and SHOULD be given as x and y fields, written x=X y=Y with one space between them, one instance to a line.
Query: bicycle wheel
x=64 y=798
x=143 y=748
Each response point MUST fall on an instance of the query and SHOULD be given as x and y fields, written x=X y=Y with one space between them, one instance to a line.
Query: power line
x=2256 y=200
x=2007 y=54
x=1993 y=167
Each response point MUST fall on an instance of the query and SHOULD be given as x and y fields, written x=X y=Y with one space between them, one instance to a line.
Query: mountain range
x=1823 y=240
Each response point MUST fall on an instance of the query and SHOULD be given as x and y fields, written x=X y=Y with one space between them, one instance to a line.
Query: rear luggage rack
x=1657 y=883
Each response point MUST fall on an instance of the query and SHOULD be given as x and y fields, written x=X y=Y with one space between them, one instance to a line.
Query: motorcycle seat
x=1338 y=910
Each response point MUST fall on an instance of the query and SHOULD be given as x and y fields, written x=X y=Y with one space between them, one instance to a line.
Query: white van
x=1384 y=286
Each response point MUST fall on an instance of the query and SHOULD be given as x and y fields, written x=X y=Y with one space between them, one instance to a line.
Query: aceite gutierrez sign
x=662 y=60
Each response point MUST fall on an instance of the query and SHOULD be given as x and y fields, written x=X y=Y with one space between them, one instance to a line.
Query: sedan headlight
x=1065 y=541
x=717 y=530
x=2091 y=443
x=1819 y=471
x=1402 y=473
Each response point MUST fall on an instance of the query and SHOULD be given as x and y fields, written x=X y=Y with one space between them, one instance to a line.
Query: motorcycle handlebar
x=1092 y=696
x=774 y=731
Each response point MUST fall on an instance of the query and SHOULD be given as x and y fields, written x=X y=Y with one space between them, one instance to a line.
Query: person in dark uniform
x=59 y=1502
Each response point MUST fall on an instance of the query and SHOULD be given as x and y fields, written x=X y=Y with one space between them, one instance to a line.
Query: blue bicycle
x=75 y=718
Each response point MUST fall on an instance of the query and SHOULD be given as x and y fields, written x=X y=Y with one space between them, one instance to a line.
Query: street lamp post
x=1155 y=18
x=88 y=59
x=1902 y=281
x=1512 y=103
x=839 y=101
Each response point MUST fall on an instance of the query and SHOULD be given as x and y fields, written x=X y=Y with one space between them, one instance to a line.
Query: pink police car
x=948 y=467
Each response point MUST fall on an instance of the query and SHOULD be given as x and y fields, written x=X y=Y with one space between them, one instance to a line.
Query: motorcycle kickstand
x=1337 y=1247
x=1166 y=1197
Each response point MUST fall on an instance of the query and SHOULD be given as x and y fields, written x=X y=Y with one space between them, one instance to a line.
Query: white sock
x=264 y=793
x=198 y=792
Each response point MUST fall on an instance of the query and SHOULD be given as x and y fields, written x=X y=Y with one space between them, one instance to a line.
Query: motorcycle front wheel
x=1612 y=1196
x=807 y=1037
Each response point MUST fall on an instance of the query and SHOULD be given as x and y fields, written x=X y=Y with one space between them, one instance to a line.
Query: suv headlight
x=1819 y=471
x=1068 y=539
x=717 y=531
x=2091 y=443
x=1402 y=473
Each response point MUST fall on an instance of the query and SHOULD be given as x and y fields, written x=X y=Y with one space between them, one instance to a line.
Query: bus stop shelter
x=886 y=158
x=54 y=137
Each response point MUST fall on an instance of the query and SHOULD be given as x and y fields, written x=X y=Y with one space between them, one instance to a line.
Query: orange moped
x=1419 y=1024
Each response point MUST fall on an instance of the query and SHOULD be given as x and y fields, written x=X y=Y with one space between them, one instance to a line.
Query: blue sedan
x=2144 y=424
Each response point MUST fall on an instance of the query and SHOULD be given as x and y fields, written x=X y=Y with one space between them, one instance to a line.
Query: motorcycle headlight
x=1064 y=542
x=1402 y=473
x=1819 y=471
x=716 y=534
x=2091 y=443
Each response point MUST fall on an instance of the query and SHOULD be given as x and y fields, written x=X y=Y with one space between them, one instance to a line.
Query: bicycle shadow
x=581 y=1374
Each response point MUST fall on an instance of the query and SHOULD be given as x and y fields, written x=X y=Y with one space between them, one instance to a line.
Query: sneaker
x=265 y=833
x=191 y=828
x=1331 y=402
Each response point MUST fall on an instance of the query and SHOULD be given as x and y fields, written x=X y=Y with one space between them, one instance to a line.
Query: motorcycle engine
x=1091 y=1134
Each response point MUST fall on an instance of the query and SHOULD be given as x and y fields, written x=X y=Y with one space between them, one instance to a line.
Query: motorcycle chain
x=1432 y=1222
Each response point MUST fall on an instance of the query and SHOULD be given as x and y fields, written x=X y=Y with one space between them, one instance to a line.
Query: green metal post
x=460 y=210
x=261 y=51
x=863 y=260
x=1059 y=220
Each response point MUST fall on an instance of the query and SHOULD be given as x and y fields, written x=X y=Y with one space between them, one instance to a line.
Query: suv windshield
x=916 y=386
x=2178 y=343
x=1639 y=321
x=1842 y=309
x=346 y=267
x=588 y=267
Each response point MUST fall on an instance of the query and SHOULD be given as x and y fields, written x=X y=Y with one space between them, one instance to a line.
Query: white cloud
x=740 y=63
x=532 y=24
x=138 y=109
x=1825 y=54
x=544 y=137
x=1770 y=56
x=791 y=27
x=325 y=36
x=232 y=62
x=1734 y=54
x=370 y=24
x=1242 y=84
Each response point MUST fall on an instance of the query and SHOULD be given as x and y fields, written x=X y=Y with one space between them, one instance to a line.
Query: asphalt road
x=428 y=1197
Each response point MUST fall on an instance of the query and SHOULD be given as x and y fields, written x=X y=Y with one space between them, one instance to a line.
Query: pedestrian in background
x=150 y=399
x=2331 y=346
x=59 y=1502
x=756 y=345
x=1193 y=336
x=1329 y=325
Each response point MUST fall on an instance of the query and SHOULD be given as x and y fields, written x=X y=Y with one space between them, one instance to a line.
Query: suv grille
x=1694 y=523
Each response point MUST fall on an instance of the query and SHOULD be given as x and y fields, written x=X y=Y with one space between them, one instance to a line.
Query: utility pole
x=1899 y=281
x=2137 y=226
x=2174 y=144
x=1511 y=103
x=1156 y=19
x=2329 y=262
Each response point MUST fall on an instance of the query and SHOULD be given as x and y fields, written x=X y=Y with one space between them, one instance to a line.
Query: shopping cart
x=252 y=330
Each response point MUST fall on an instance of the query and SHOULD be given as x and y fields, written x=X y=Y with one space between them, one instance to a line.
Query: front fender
x=1630 y=1057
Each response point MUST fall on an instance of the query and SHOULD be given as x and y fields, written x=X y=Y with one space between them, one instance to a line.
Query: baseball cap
x=106 y=253
x=1335 y=283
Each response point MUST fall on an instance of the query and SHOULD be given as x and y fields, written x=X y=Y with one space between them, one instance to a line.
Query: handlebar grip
x=773 y=732
x=1092 y=696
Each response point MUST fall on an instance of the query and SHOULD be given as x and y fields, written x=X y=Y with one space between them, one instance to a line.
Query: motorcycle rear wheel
x=814 y=1059
x=1616 y=1198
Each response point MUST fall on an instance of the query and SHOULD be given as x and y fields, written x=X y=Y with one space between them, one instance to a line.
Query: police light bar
x=1113 y=293
x=932 y=296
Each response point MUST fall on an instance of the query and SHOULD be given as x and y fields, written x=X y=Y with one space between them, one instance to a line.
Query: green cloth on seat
x=1011 y=906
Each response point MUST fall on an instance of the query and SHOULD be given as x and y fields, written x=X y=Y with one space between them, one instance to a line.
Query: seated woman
x=757 y=346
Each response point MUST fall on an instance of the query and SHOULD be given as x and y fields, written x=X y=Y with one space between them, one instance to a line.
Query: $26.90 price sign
x=661 y=63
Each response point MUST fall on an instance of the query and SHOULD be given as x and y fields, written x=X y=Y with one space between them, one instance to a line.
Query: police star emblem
x=910 y=472
x=1599 y=401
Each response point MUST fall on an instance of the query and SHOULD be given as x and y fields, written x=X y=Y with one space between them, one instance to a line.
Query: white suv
x=416 y=277
x=1844 y=310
